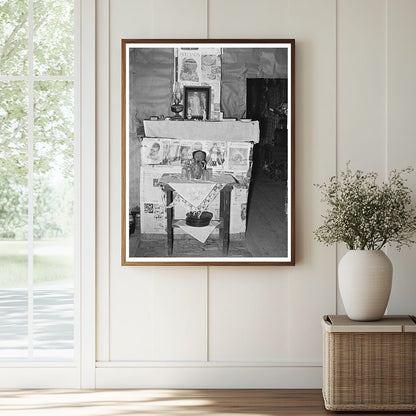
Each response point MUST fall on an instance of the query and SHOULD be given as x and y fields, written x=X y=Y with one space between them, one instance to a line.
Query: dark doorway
x=267 y=210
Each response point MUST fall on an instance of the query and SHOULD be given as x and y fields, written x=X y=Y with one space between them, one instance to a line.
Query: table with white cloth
x=229 y=149
x=197 y=195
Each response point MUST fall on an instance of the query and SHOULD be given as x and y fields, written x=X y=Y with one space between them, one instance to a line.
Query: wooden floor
x=266 y=232
x=164 y=402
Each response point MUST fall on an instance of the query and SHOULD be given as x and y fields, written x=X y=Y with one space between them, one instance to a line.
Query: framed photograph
x=197 y=102
x=208 y=151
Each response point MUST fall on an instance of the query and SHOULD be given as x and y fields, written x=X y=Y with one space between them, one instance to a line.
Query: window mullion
x=30 y=178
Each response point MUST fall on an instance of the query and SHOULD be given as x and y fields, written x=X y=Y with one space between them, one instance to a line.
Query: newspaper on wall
x=152 y=201
x=201 y=67
x=160 y=152
x=210 y=64
x=238 y=156
x=238 y=210
x=152 y=152
x=167 y=152
x=189 y=66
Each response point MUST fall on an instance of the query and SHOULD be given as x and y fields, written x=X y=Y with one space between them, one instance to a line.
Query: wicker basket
x=369 y=366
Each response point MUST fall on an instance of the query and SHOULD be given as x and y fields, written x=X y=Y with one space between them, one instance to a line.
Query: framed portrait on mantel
x=208 y=135
x=197 y=102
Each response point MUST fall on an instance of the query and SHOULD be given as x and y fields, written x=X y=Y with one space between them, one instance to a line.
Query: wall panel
x=361 y=89
x=248 y=314
x=313 y=26
x=159 y=316
x=401 y=139
x=238 y=19
x=361 y=84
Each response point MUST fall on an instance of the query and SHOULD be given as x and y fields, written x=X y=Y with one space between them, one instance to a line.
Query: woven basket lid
x=390 y=323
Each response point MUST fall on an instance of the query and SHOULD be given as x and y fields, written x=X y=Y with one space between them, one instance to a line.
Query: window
x=38 y=185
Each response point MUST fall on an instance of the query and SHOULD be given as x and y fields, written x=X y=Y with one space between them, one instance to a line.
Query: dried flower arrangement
x=366 y=215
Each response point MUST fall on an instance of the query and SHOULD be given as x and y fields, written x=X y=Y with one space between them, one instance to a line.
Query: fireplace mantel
x=234 y=131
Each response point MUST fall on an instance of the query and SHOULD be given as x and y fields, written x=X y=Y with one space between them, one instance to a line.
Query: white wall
x=254 y=326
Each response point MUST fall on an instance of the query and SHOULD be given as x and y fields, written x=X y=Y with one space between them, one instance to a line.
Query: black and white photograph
x=208 y=152
x=197 y=102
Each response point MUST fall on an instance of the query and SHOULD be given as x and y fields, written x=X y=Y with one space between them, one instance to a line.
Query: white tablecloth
x=200 y=233
x=196 y=194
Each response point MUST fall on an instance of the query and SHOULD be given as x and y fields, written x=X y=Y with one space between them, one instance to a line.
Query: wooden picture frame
x=244 y=188
x=197 y=102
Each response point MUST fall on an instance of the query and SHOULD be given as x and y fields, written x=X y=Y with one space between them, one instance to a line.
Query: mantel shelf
x=235 y=131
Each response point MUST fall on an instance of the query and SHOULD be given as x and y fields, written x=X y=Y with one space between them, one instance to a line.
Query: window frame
x=81 y=371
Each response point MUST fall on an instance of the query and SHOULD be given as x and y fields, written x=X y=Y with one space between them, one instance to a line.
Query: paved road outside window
x=53 y=324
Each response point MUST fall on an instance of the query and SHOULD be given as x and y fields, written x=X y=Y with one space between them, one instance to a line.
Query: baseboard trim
x=210 y=377
x=203 y=364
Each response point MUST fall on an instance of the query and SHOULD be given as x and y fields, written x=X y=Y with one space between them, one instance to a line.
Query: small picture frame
x=197 y=102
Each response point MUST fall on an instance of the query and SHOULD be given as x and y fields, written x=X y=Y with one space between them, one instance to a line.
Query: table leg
x=169 y=225
x=225 y=205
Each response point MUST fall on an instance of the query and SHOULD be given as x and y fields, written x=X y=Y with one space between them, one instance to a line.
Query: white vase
x=364 y=278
